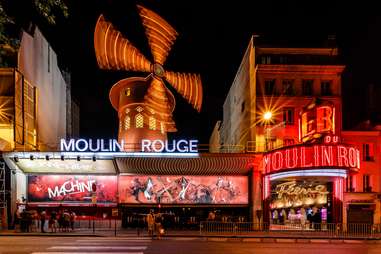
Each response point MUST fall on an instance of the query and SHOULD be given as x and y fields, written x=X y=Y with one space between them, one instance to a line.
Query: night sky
x=213 y=36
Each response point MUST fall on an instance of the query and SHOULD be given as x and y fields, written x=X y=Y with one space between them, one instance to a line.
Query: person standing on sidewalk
x=158 y=225
x=150 y=223
x=42 y=219
x=53 y=222
x=72 y=220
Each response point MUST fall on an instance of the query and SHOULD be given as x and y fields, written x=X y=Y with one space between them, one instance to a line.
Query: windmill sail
x=115 y=52
x=160 y=34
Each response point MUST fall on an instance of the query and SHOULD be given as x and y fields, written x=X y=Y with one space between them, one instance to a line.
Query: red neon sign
x=316 y=120
x=316 y=156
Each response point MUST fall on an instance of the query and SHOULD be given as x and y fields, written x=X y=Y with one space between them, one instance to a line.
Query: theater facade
x=302 y=179
x=280 y=186
x=123 y=185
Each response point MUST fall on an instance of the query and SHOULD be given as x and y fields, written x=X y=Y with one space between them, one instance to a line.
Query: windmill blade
x=188 y=85
x=160 y=34
x=161 y=103
x=113 y=51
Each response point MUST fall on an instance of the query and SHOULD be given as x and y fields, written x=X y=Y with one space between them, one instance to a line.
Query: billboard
x=72 y=188
x=298 y=194
x=135 y=189
x=310 y=157
x=67 y=166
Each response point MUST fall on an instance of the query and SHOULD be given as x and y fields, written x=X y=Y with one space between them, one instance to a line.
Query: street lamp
x=267 y=116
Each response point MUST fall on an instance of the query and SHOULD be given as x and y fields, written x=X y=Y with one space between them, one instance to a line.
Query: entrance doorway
x=360 y=214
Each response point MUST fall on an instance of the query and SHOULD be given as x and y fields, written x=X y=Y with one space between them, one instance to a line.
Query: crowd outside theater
x=306 y=217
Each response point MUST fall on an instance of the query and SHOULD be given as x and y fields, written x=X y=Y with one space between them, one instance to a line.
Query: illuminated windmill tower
x=145 y=105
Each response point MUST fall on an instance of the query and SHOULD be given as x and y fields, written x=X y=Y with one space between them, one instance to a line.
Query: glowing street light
x=267 y=115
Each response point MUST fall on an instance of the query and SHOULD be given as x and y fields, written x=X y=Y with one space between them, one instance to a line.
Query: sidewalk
x=258 y=236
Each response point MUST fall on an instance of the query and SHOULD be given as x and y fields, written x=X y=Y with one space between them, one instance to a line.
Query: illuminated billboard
x=66 y=166
x=139 y=189
x=312 y=156
x=72 y=188
x=298 y=194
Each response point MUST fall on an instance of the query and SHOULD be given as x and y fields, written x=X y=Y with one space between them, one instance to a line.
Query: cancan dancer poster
x=183 y=189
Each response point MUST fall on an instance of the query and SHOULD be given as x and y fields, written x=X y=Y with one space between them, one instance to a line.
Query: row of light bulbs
x=47 y=157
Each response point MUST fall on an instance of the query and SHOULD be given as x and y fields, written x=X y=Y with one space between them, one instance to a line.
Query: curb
x=222 y=238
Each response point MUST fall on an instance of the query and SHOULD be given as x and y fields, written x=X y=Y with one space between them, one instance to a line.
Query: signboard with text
x=72 y=188
x=312 y=156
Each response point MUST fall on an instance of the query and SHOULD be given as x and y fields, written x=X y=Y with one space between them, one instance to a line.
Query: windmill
x=145 y=105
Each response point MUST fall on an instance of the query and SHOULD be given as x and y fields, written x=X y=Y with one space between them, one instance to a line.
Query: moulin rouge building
x=141 y=169
x=278 y=156
x=285 y=107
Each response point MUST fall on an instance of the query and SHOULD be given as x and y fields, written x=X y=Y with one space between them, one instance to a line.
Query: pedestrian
x=72 y=220
x=211 y=216
x=158 y=225
x=61 y=221
x=53 y=222
x=150 y=223
x=17 y=220
x=42 y=219
x=66 y=220
x=275 y=217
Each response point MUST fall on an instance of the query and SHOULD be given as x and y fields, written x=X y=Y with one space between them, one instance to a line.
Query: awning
x=204 y=164
x=55 y=204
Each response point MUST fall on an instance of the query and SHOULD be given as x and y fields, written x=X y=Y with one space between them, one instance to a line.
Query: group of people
x=301 y=216
x=29 y=221
x=155 y=224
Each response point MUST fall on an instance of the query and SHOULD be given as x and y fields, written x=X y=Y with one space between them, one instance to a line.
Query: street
x=133 y=245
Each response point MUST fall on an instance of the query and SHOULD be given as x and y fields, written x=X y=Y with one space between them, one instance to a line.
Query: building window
x=242 y=107
x=307 y=87
x=270 y=87
x=366 y=183
x=162 y=127
x=270 y=143
x=152 y=123
x=350 y=187
x=283 y=59
x=139 y=121
x=368 y=152
x=288 y=116
x=288 y=142
x=139 y=109
x=288 y=87
x=126 y=122
x=265 y=60
x=326 y=88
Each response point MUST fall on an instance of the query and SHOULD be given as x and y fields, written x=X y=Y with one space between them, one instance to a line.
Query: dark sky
x=213 y=36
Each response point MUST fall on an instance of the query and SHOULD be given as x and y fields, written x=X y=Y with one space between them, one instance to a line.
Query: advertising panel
x=72 y=188
x=67 y=166
x=298 y=194
x=135 y=189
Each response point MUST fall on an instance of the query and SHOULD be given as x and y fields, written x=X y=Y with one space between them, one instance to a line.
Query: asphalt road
x=133 y=245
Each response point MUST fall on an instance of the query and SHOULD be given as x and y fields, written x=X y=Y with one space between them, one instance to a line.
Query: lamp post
x=267 y=118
